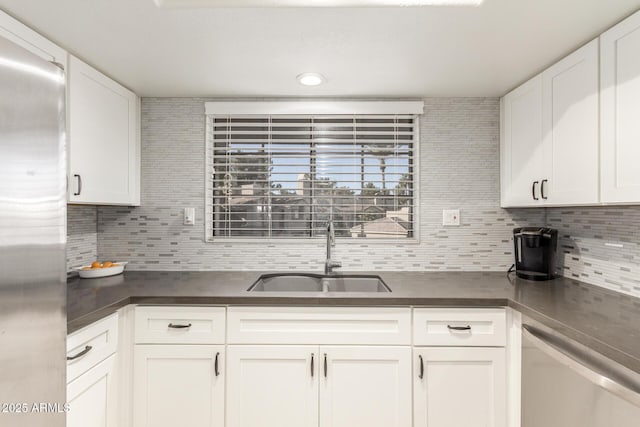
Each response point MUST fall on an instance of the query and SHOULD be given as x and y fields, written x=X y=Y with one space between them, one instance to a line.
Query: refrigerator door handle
x=581 y=364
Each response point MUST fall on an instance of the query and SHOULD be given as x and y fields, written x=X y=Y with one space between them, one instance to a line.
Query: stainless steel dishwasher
x=566 y=384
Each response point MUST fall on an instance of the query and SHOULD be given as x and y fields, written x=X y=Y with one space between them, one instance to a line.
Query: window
x=285 y=176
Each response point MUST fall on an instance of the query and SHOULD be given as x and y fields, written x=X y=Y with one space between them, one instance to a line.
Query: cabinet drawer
x=179 y=325
x=91 y=345
x=482 y=327
x=318 y=325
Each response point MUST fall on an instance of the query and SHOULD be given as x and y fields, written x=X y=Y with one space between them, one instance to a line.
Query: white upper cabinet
x=549 y=144
x=24 y=36
x=620 y=112
x=104 y=142
x=522 y=153
x=570 y=129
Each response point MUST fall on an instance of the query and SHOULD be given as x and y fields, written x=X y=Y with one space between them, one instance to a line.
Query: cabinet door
x=178 y=385
x=522 y=151
x=272 y=386
x=25 y=37
x=365 y=386
x=460 y=386
x=619 y=106
x=91 y=397
x=103 y=139
x=570 y=128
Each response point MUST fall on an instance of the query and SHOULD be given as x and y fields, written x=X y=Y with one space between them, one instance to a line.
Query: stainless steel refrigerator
x=32 y=239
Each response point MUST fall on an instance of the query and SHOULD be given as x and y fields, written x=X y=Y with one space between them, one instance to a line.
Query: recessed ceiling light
x=310 y=79
x=311 y=3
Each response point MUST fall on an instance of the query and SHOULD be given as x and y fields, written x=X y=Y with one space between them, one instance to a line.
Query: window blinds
x=276 y=176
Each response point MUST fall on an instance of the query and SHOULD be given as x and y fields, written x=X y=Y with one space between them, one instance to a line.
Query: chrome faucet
x=330 y=264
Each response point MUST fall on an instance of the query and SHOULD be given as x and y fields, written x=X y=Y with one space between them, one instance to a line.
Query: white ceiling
x=368 y=52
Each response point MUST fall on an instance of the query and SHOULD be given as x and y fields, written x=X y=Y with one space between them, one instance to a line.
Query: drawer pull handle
x=459 y=328
x=215 y=365
x=312 y=368
x=421 y=375
x=325 y=365
x=171 y=325
x=86 y=350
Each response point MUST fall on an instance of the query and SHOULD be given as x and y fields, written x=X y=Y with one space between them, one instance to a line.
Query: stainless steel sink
x=295 y=282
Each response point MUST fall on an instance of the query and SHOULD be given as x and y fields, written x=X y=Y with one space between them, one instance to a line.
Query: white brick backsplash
x=459 y=169
x=82 y=235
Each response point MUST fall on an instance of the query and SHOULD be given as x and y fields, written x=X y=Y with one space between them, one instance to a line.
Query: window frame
x=265 y=108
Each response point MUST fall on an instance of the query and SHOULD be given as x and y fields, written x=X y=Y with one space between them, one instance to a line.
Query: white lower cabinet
x=178 y=385
x=365 y=386
x=327 y=386
x=247 y=375
x=272 y=386
x=460 y=387
x=92 y=375
x=91 y=397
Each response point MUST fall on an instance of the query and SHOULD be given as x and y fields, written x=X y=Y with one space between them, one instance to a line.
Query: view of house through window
x=286 y=176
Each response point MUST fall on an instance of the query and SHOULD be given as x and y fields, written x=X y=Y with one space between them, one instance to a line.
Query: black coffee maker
x=535 y=251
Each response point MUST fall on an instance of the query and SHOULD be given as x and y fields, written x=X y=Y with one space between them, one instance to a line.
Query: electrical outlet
x=189 y=216
x=451 y=217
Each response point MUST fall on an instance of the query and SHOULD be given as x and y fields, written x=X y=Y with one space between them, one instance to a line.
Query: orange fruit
x=107 y=264
x=96 y=264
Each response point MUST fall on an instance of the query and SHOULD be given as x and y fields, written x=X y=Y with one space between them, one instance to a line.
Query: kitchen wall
x=600 y=245
x=459 y=159
x=82 y=235
x=459 y=169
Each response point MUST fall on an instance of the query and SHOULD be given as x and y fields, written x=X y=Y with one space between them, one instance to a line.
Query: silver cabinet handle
x=421 y=374
x=533 y=190
x=215 y=365
x=79 y=187
x=86 y=350
x=568 y=353
x=172 y=326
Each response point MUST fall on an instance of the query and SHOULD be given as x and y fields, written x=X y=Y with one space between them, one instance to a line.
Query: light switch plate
x=189 y=216
x=451 y=217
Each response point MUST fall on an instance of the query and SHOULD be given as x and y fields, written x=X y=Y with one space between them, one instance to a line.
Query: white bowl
x=101 y=272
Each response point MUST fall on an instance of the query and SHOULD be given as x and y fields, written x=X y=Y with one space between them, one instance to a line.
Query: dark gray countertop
x=606 y=321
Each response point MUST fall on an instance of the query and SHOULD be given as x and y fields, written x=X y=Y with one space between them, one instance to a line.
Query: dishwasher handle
x=580 y=363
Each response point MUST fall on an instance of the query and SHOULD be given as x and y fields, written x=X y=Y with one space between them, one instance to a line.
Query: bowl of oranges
x=101 y=269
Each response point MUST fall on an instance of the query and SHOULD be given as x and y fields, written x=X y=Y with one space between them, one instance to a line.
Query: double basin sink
x=296 y=282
